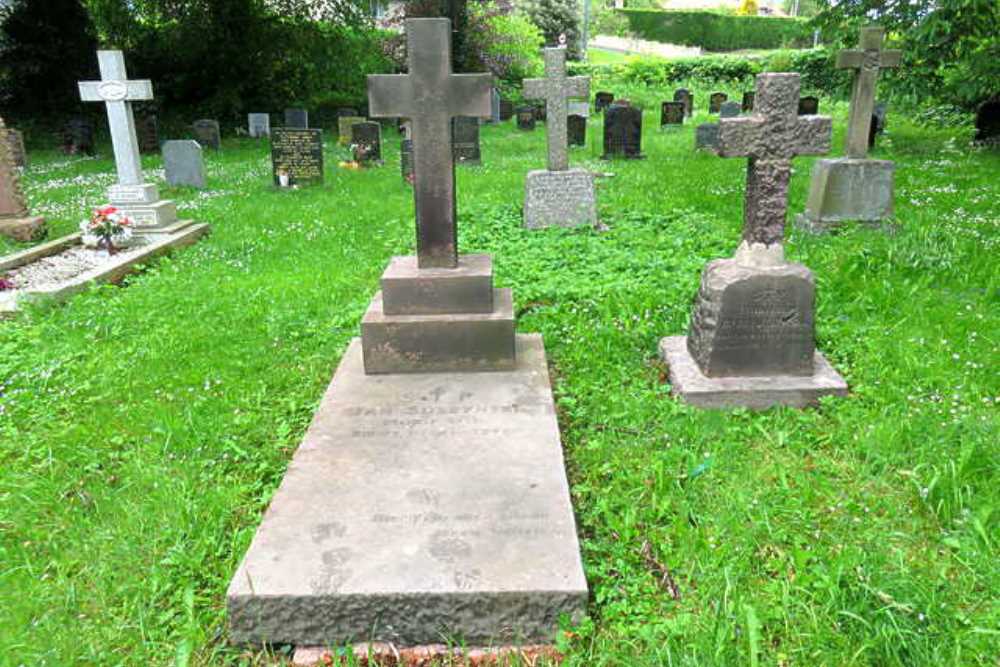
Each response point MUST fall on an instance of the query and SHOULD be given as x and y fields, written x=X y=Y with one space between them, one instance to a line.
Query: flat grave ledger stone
x=465 y=140
x=671 y=114
x=15 y=220
x=78 y=137
x=988 y=123
x=259 y=125
x=297 y=118
x=344 y=124
x=622 y=131
x=855 y=187
x=367 y=141
x=147 y=132
x=578 y=108
x=715 y=101
x=706 y=136
x=809 y=106
x=684 y=96
x=16 y=154
x=879 y=118
x=296 y=156
x=206 y=133
x=751 y=341
x=747 y=105
x=506 y=110
x=576 y=130
x=406 y=159
x=602 y=100
x=526 y=118
x=183 y=163
x=729 y=109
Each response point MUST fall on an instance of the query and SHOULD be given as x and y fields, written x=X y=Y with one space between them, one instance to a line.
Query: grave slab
x=559 y=199
x=418 y=508
x=848 y=189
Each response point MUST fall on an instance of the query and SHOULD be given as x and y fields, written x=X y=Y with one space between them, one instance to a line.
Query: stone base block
x=419 y=509
x=559 y=199
x=439 y=343
x=151 y=217
x=848 y=189
x=756 y=393
x=23 y=229
x=124 y=195
x=409 y=290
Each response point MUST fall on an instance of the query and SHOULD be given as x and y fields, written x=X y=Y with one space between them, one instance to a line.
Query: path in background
x=643 y=46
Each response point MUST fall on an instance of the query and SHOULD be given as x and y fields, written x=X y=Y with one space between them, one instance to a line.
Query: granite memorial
x=622 y=131
x=183 y=163
x=730 y=109
x=366 y=138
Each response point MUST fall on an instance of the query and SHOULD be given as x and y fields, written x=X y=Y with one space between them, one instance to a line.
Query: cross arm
x=891 y=58
x=578 y=86
x=812 y=135
x=470 y=94
x=850 y=59
x=739 y=137
x=111 y=91
x=390 y=95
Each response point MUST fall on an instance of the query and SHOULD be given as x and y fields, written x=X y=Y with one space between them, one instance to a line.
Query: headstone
x=684 y=96
x=259 y=125
x=988 y=123
x=344 y=124
x=506 y=110
x=183 y=163
x=296 y=156
x=715 y=101
x=747 y=105
x=751 y=341
x=15 y=220
x=622 y=131
x=671 y=113
x=576 y=128
x=367 y=141
x=16 y=154
x=148 y=134
x=706 y=136
x=879 y=117
x=495 y=106
x=78 y=137
x=526 y=118
x=809 y=106
x=541 y=112
x=465 y=139
x=136 y=198
x=406 y=159
x=297 y=118
x=729 y=109
x=207 y=133
x=578 y=108
x=602 y=100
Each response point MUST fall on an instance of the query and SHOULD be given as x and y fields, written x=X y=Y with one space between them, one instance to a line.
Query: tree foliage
x=555 y=18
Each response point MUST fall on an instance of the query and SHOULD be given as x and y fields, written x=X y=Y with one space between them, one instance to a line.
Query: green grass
x=597 y=56
x=143 y=429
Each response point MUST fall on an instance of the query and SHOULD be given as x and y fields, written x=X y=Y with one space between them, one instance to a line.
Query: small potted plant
x=108 y=228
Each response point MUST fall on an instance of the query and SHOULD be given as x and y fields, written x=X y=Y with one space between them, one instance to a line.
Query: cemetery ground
x=143 y=429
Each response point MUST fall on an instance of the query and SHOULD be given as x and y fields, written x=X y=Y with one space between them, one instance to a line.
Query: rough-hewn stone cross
x=430 y=96
x=866 y=61
x=771 y=137
x=12 y=202
x=555 y=88
x=117 y=92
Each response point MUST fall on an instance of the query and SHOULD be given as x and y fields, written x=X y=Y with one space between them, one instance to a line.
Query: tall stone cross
x=118 y=93
x=12 y=202
x=430 y=96
x=555 y=88
x=771 y=137
x=866 y=61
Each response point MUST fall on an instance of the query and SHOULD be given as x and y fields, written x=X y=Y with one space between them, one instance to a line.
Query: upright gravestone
x=854 y=187
x=494 y=106
x=684 y=96
x=715 y=101
x=259 y=125
x=296 y=156
x=16 y=154
x=576 y=129
x=137 y=199
x=602 y=100
x=183 y=163
x=297 y=118
x=671 y=114
x=78 y=137
x=622 y=131
x=453 y=541
x=578 y=108
x=747 y=105
x=879 y=118
x=988 y=123
x=729 y=109
x=751 y=341
x=367 y=141
x=406 y=159
x=344 y=124
x=15 y=220
x=465 y=140
x=506 y=110
x=207 y=133
x=147 y=133
x=558 y=196
x=526 y=118
x=809 y=105
x=541 y=112
x=706 y=136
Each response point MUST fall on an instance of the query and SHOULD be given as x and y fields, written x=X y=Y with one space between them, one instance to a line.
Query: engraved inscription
x=297 y=155
x=333 y=571
x=112 y=91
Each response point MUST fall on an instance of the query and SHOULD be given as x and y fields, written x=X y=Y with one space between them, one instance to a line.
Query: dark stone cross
x=430 y=96
x=771 y=137
x=866 y=61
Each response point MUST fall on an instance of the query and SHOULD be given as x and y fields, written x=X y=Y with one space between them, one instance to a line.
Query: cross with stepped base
x=430 y=96
x=866 y=63
x=555 y=88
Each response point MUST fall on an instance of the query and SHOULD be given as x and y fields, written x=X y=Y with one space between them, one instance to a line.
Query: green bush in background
x=715 y=31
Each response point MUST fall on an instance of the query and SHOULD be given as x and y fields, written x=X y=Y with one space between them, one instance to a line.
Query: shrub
x=554 y=18
x=509 y=46
x=716 y=31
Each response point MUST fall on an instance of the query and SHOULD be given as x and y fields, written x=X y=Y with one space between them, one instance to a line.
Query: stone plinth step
x=409 y=290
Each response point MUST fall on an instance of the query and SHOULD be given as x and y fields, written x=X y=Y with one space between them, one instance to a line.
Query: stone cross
x=11 y=198
x=771 y=137
x=866 y=61
x=117 y=92
x=430 y=96
x=555 y=88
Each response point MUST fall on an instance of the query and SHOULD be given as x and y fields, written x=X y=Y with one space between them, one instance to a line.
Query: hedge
x=717 y=32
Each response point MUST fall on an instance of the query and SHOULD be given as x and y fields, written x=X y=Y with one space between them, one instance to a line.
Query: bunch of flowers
x=107 y=228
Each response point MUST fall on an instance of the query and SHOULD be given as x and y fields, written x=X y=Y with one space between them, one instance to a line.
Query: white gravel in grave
x=62 y=267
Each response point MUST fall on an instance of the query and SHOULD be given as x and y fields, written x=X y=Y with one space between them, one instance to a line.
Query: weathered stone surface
x=207 y=133
x=410 y=290
x=366 y=138
x=706 y=136
x=23 y=229
x=296 y=156
x=755 y=393
x=259 y=125
x=418 y=508
x=16 y=153
x=297 y=118
x=406 y=159
x=439 y=343
x=559 y=199
x=183 y=163
x=729 y=109
x=622 y=131
x=845 y=189
x=672 y=113
x=684 y=96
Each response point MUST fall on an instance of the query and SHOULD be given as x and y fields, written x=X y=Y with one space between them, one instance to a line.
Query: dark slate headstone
x=672 y=113
x=465 y=139
x=576 y=127
x=877 y=126
x=183 y=163
x=526 y=118
x=296 y=156
x=748 y=98
x=78 y=137
x=206 y=132
x=367 y=141
x=297 y=118
x=540 y=111
x=622 y=131
x=406 y=159
x=684 y=96
x=988 y=123
x=729 y=109
x=506 y=110
x=808 y=106
x=715 y=101
x=706 y=136
x=602 y=100
x=146 y=131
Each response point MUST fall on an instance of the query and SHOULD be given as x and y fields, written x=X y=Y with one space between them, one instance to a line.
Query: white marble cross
x=554 y=89
x=117 y=92
x=866 y=63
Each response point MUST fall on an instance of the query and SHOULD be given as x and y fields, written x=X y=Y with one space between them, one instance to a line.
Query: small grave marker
x=296 y=156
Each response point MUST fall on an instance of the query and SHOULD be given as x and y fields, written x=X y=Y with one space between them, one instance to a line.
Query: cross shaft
x=866 y=61
x=555 y=88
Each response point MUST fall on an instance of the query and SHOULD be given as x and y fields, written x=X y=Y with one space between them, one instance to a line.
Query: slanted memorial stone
x=622 y=131
x=16 y=154
x=367 y=141
x=344 y=124
x=78 y=137
x=15 y=220
x=729 y=109
x=259 y=125
x=453 y=541
x=297 y=118
x=747 y=105
x=988 y=123
x=671 y=114
x=751 y=341
x=715 y=101
x=207 y=133
x=296 y=156
x=576 y=129
x=809 y=106
x=526 y=118
x=855 y=187
x=602 y=100
x=183 y=163
x=706 y=136
x=684 y=96
x=465 y=140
